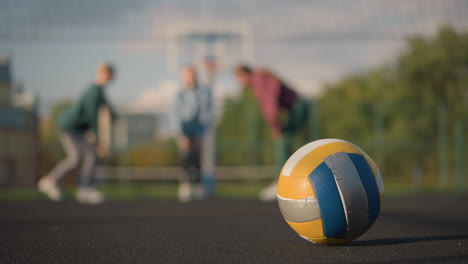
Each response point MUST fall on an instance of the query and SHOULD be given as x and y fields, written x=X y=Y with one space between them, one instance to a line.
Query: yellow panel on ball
x=295 y=187
x=313 y=229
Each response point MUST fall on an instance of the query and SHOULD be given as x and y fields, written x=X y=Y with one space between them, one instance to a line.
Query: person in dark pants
x=74 y=123
x=192 y=113
x=274 y=98
x=191 y=160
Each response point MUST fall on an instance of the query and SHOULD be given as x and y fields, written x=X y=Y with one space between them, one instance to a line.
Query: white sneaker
x=269 y=193
x=185 y=192
x=198 y=192
x=89 y=195
x=49 y=188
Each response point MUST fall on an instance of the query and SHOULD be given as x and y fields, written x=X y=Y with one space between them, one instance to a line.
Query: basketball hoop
x=211 y=64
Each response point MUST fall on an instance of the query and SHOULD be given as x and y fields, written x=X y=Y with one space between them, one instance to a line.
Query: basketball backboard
x=194 y=44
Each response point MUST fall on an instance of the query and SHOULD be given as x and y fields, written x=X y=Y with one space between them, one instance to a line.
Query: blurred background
x=389 y=76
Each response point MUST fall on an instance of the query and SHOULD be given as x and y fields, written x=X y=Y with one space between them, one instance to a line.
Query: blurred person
x=74 y=123
x=192 y=113
x=275 y=99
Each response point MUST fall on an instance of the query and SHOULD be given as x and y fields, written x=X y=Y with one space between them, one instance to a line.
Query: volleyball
x=330 y=192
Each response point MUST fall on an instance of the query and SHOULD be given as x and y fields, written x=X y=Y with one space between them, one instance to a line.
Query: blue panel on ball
x=370 y=185
x=329 y=200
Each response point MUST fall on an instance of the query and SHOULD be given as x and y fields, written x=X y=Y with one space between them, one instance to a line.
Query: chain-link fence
x=404 y=102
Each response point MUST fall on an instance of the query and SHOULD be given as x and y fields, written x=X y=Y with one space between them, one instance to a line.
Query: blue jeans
x=77 y=149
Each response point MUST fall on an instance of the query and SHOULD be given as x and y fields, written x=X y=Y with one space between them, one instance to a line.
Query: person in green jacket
x=74 y=122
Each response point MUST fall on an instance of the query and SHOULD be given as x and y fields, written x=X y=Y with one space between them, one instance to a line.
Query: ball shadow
x=405 y=240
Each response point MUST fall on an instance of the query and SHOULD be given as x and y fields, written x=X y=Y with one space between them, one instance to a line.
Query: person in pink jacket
x=275 y=98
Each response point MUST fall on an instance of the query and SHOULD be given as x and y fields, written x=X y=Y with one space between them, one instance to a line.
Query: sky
x=56 y=45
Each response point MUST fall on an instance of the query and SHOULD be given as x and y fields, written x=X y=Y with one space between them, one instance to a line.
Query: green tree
x=151 y=154
x=243 y=137
x=396 y=108
x=48 y=125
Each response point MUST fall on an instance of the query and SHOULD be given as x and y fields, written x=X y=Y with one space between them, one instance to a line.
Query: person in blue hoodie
x=192 y=114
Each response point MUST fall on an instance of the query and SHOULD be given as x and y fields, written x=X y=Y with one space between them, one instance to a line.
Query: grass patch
x=22 y=194
x=162 y=190
x=136 y=191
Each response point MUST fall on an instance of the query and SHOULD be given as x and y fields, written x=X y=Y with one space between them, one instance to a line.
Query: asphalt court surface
x=410 y=229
